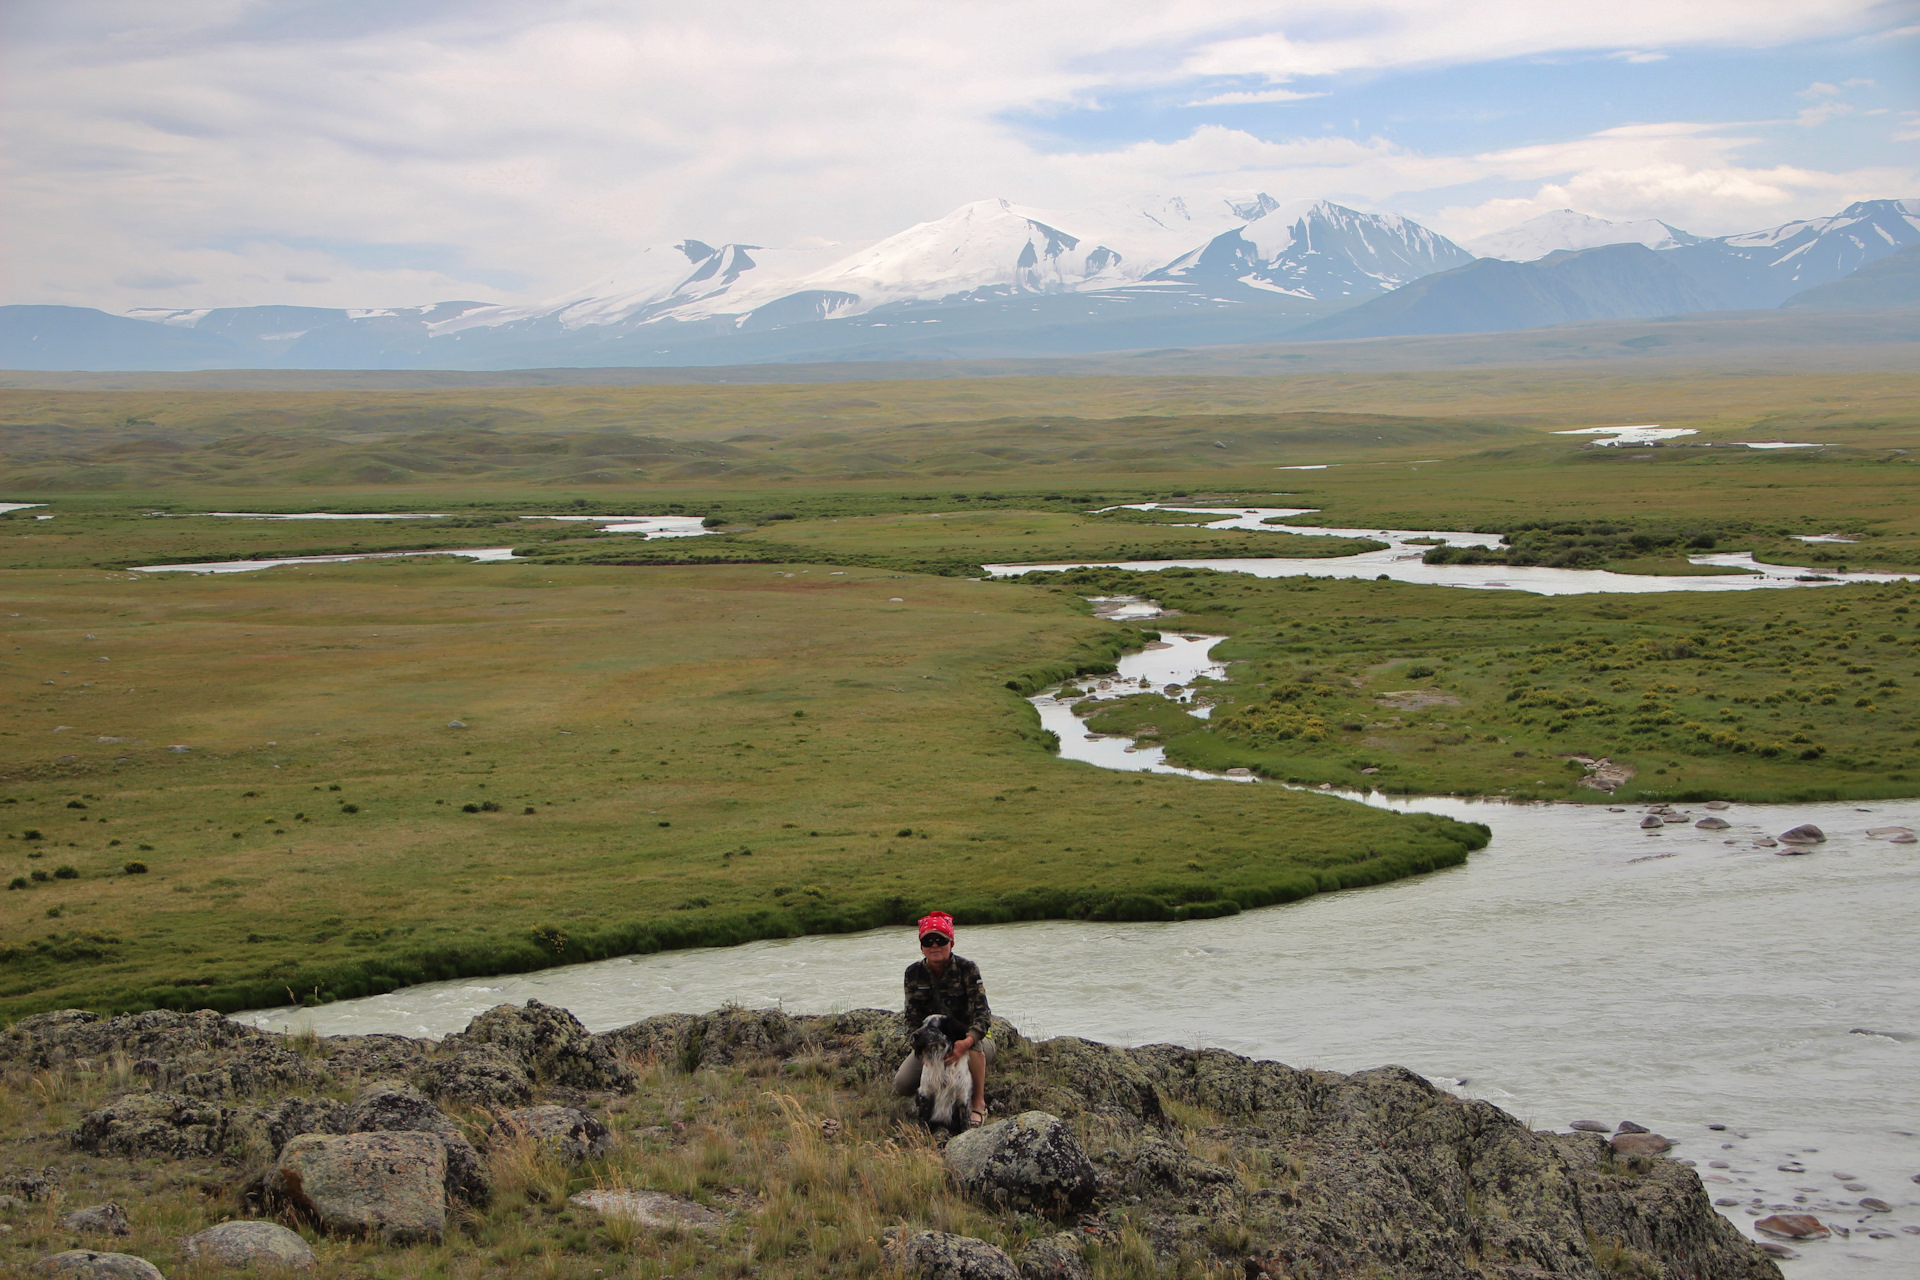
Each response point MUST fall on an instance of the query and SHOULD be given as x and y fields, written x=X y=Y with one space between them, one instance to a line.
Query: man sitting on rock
x=945 y=983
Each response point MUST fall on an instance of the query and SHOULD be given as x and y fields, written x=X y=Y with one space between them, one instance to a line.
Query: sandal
x=976 y=1117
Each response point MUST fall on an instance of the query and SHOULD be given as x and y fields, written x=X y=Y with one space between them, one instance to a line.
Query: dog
x=945 y=1088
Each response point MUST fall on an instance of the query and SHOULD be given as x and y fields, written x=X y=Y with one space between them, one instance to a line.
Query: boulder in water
x=1651 y=823
x=1713 y=824
x=1628 y=1126
x=1641 y=1144
x=1591 y=1126
x=1794 y=1226
x=1805 y=833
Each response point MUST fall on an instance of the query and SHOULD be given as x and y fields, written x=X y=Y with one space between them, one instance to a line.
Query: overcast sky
x=393 y=152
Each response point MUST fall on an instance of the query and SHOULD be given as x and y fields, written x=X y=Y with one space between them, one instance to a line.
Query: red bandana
x=937 y=922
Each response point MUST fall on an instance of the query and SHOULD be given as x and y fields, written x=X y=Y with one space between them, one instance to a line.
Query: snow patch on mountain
x=1566 y=229
x=1317 y=250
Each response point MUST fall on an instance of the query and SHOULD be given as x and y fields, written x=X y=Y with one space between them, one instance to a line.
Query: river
x=1577 y=968
x=1401 y=561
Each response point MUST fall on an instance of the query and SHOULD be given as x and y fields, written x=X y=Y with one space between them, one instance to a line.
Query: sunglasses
x=935 y=940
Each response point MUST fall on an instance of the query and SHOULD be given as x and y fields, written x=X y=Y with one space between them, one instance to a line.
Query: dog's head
x=937 y=1035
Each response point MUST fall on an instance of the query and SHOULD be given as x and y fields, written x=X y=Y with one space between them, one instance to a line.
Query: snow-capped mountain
x=1565 y=229
x=1325 y=250
x=981 y=249
x=994 y=278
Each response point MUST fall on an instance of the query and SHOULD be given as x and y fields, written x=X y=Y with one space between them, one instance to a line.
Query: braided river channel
x=1761 y=1009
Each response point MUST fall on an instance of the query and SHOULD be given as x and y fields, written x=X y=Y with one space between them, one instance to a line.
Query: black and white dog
x=945 y=1088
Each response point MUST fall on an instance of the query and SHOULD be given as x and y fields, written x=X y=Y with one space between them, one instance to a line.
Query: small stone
x=88 y=1265
x=1628 y=1126
x=1794 y=1226
x=1718 y=1164
x=1717 y=1128
x=1717 y=804
x=1726 y=1202
x=1805 y=833
x=456 y=724
x=1856 y=1186
x=649 y=1208
x=1873 y=1204
x=106 y=1219
x=1764 y=842
x=1651 y=823
x=247 y=1244
x=1591 y=1126
x=1776 y=1250
x=1713 y=824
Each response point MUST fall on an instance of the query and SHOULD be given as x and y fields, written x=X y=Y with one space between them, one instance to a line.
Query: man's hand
x=961 y=1048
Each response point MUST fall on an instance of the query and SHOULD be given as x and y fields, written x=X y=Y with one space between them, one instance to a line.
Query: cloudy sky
x=392 y=152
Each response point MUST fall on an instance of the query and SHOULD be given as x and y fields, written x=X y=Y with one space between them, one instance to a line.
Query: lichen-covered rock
x=379 y=1056
x=239 y=1245
x=156 y=1124
x=389 y=1107
x=549 y=1044
x=100 y=1219
x=85 y=1264
x=1161 y=1166
x=391 y=1186
x=1076 y=1076
x=939 y=1255
x=202 y=1054
x=262 y=1131
x=1055 y=1257
x=30 y=1184
x=482 y=1077
x=1031 y=1162
x=571 y=1134
x=650 y=1208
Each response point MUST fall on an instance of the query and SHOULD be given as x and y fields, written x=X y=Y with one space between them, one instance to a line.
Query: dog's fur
x=945 y=1090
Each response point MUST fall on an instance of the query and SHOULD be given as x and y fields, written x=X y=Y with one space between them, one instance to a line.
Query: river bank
x=753 y=1142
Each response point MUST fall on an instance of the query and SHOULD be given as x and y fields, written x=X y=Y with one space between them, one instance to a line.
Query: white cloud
x=1638 y=55
x=241 y=151
x=1261 y=95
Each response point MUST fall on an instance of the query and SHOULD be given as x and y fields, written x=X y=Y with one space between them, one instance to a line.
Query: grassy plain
x=613 y=697
x=1771 y=695
x=658 y=757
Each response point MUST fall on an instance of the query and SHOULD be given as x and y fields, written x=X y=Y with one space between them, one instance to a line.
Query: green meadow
x=812 y=719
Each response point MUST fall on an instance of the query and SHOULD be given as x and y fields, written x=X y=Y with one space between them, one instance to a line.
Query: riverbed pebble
x=1713 y=824
x=1628 y=1126
x=1650 y=823
x=1794 y=1226
x=1591 y=1126
x=1873 y=1204
x=1805 y=833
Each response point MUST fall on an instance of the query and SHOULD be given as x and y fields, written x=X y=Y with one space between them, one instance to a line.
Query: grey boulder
x=1805 y=833
x=1641 y=1144
x=391 y=1186
x=1030 y=1162
x=480 y=1077
x=940 y=1255
x=88 y=1265
x=571 y=1134
x=1055 y=1257
x=106 y=1219
x=240 y=1245
x=548 y=1044
x=155 y=1124
x=1713 y=824
x=1591 y=1126
x=386 y=1107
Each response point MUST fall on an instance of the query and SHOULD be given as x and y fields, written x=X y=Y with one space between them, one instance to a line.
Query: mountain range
x=994 y=278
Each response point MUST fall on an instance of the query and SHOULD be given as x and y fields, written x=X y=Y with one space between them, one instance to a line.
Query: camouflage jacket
x=956 y=992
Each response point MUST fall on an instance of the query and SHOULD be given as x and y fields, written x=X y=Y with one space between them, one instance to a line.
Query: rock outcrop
x=84 y=1264
x=1165 y=1151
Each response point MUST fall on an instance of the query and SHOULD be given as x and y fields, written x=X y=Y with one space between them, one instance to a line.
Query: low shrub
x=18 y=882
x=66 y=872
x=135 y=868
